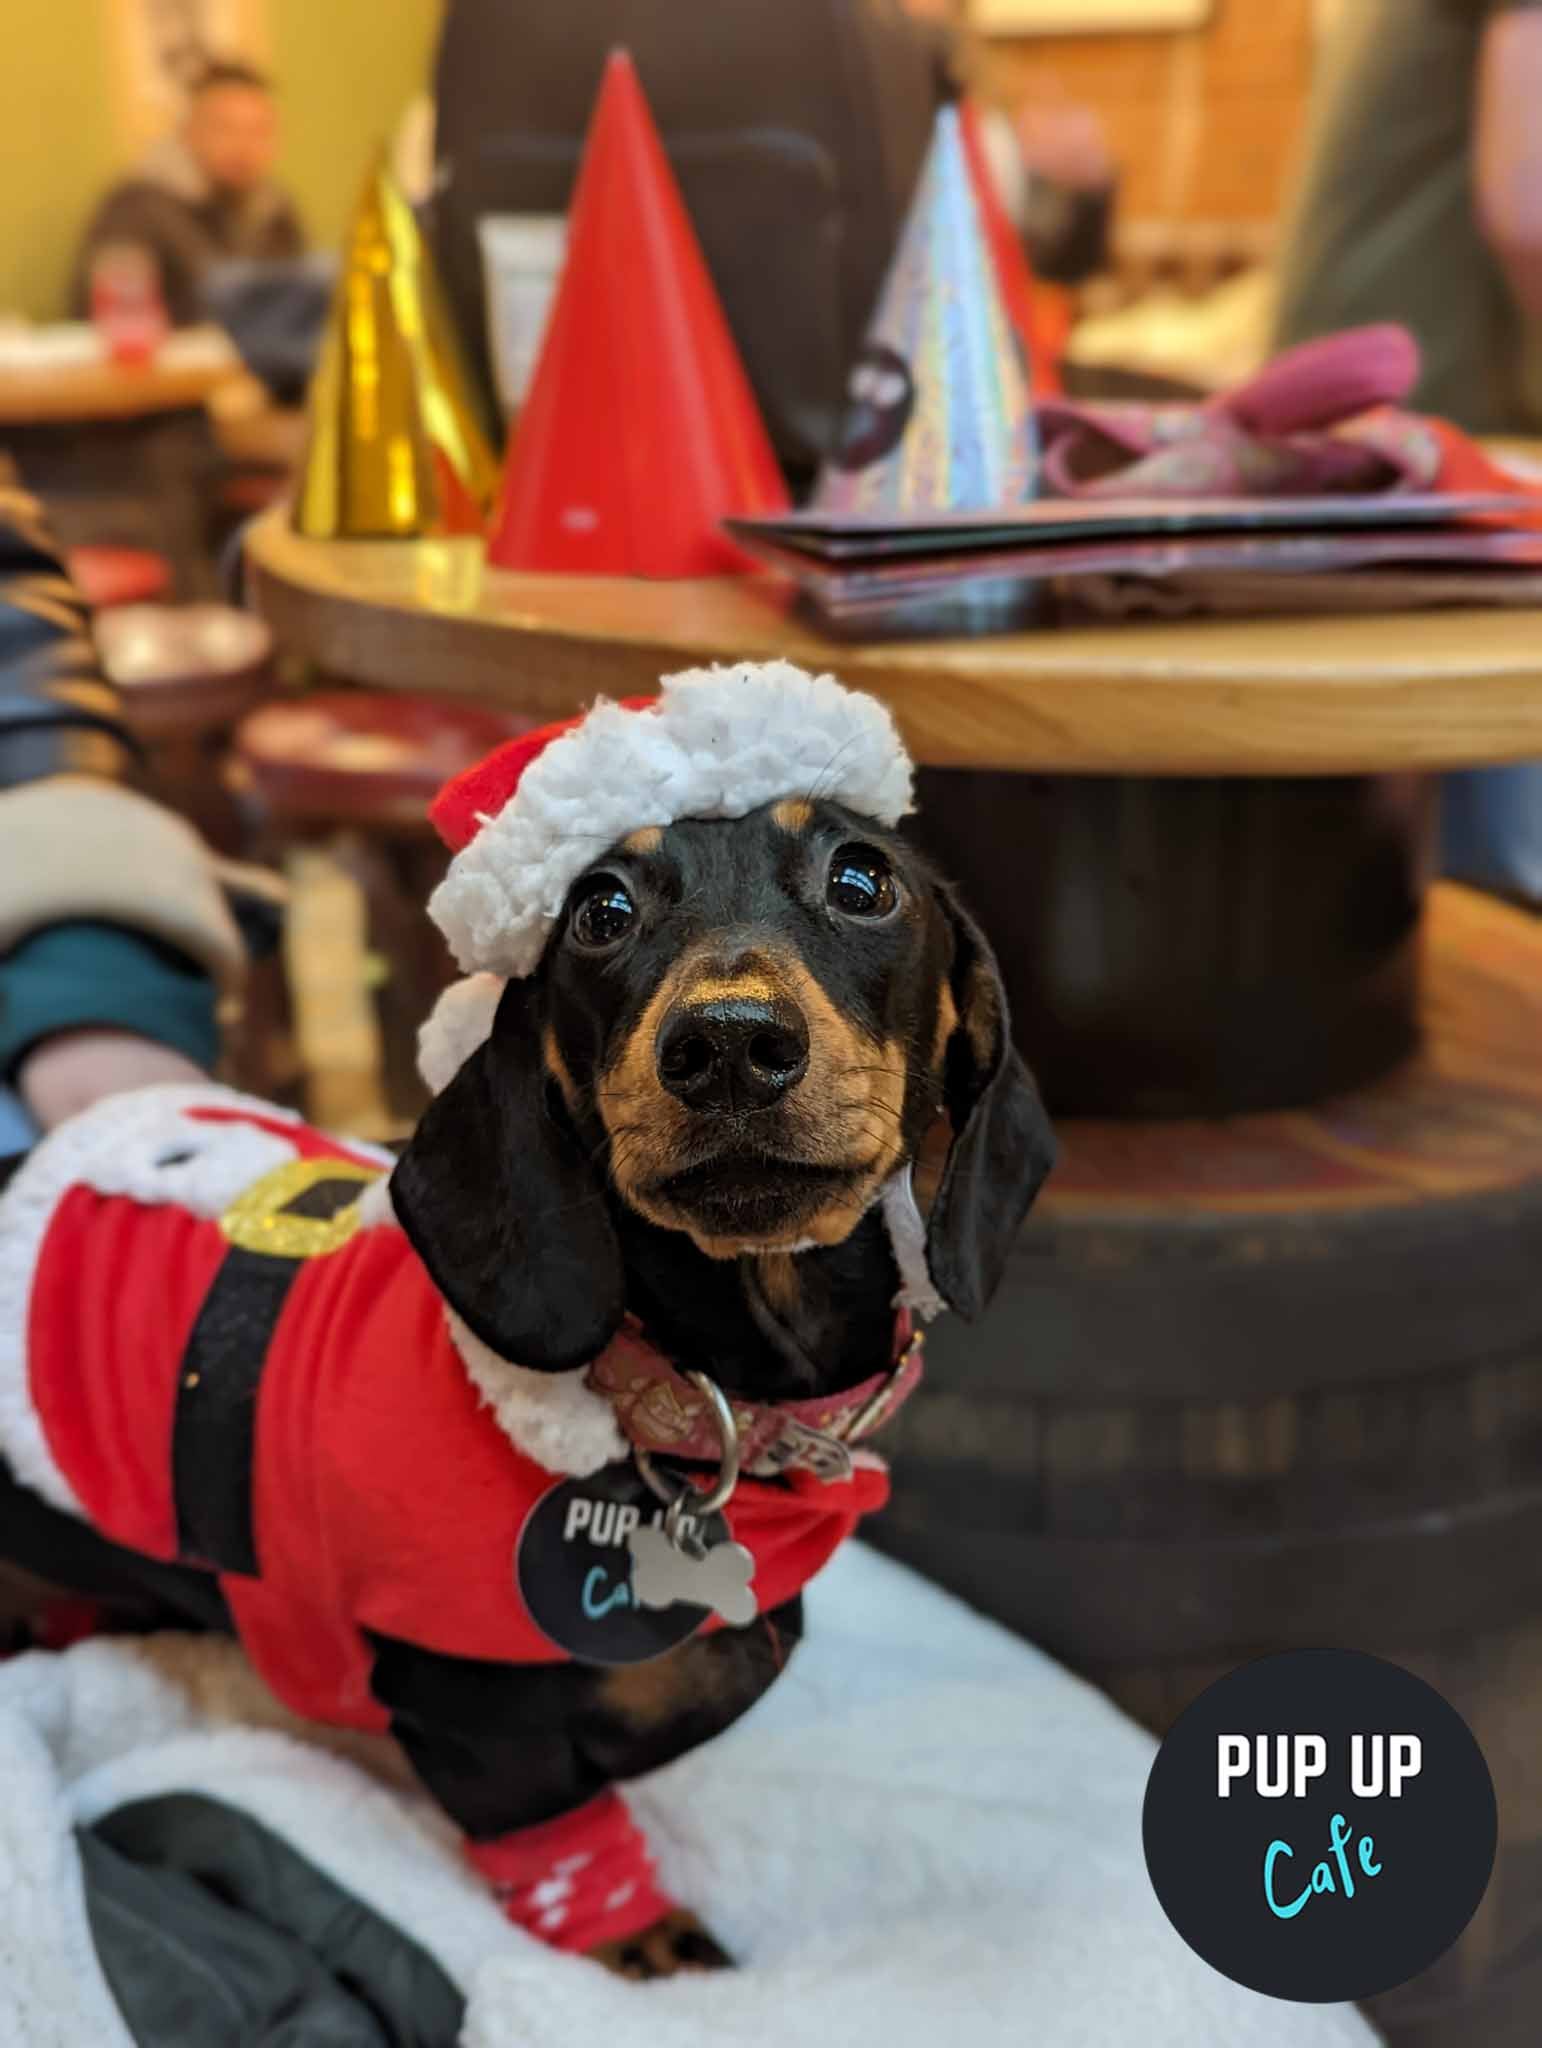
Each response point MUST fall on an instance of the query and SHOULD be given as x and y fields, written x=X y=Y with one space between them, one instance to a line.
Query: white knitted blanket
x=925 y=1833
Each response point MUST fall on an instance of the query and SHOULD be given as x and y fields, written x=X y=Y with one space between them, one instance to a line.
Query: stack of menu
x=1214 y=553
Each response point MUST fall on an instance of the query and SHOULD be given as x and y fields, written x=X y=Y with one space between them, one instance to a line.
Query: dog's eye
x=605 y=914
x=861 y=883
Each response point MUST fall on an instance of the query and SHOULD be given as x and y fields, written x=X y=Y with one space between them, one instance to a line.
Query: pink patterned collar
x=660 y=1411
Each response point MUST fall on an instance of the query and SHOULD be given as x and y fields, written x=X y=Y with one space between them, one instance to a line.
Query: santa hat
x=715 y=743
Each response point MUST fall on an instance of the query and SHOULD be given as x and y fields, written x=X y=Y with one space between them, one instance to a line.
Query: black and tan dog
x=691 y=1122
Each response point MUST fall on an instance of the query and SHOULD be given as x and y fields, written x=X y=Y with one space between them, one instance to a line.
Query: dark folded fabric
x=214 y=1933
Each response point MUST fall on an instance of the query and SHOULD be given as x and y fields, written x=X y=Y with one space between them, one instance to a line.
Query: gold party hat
x=395 y=446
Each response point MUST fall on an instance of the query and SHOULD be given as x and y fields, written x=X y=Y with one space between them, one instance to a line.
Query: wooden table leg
x=1181 y=946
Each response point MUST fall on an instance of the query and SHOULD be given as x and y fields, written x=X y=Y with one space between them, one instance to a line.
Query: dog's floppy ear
x=502 y=1207
x=1002 y=1147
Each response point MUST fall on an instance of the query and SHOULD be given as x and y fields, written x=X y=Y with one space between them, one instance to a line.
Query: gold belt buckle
x=259 y=1220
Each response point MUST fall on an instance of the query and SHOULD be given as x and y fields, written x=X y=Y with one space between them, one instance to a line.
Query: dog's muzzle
x=732 y=1053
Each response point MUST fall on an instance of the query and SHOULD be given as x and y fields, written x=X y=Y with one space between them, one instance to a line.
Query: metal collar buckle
x=686 y=1500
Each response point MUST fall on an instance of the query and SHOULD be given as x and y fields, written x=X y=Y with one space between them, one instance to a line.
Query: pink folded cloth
x=1320 y=418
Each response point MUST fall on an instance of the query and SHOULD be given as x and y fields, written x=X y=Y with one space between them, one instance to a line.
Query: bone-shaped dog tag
x=717 y=1577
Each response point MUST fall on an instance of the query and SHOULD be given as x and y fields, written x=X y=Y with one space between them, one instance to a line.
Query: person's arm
x=91 y=1009
x=1507 y=148
x=114 y=936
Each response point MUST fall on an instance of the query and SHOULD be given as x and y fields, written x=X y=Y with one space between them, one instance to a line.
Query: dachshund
x=685 y=1135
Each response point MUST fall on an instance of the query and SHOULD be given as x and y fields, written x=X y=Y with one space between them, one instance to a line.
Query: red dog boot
x=585 y=1882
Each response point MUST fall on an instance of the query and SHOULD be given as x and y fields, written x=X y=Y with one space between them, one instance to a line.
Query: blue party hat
x=938 y=414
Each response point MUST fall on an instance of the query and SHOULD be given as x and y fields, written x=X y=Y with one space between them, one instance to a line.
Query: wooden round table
x=1200 y=847
x=66 y=394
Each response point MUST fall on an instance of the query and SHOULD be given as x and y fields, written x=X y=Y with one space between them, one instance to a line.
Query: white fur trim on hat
x=460 y=1021
x=719 y=743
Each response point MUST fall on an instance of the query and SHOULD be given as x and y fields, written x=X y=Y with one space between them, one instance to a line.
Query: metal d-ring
x=687 y=1499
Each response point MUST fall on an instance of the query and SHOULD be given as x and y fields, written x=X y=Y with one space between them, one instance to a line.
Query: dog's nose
x=732 y=1052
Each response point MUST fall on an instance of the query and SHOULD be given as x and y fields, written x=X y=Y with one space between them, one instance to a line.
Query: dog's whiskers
x=861 y=1103
x=823 y=779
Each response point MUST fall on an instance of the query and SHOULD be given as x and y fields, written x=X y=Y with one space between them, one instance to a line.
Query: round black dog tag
x=574 y=1569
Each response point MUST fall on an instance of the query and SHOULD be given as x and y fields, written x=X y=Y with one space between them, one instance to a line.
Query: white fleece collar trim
x=719 y=743
x=553 y=1417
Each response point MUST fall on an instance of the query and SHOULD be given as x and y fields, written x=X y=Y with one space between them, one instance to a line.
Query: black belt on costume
x=215 y=1425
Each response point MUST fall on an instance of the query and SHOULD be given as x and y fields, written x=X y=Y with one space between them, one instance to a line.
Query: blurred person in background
x=115 y=938
x=1049 y=156
x=1422 y=202
x=204 y=197
x=1421 y=199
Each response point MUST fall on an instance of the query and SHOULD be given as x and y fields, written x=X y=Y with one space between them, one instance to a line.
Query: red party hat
x=640 y=432
x=1037 y=321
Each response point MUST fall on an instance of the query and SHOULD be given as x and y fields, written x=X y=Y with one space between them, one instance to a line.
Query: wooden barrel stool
x=186 y=674
x=1277 y=1382
x=341 y=781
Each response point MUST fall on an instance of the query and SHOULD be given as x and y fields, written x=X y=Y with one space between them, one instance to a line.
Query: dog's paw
x=675 y=1943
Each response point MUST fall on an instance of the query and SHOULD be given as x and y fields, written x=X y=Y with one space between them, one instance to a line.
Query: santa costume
x=219 y=1350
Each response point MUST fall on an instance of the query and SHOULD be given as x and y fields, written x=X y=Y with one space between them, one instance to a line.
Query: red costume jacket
x=219 y=1351
x=261 y=1380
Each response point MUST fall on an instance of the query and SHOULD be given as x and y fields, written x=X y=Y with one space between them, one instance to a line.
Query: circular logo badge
x=574 y=1569
x=1320 y=1826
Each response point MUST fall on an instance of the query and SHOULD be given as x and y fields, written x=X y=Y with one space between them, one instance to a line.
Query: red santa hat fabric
x=715 y=743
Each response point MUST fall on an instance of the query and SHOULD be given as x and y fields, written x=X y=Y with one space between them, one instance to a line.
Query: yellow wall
x=346 y=68
x=57 y=145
